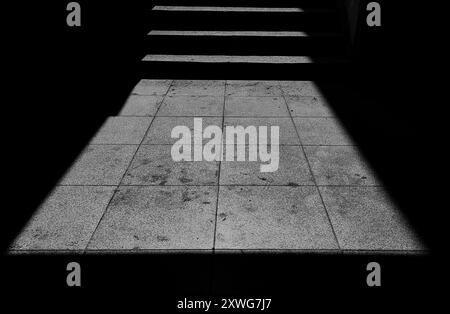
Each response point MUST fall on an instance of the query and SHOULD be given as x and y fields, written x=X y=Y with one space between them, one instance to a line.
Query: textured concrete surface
x=321 y=131
x=195 y=106
x=152 y=87
x=300 y=88
x=122 y=130
x=339 y=165
x=161 y=128
x=287 y=133
x=158 y=218
x=128 y=194
x=153 y=165
x=292 y=169
x=141 y=105
x=252 y=217
x=365 y=219
x=308 y=106
x=100 y=165
x=66 y=220
x=229 y=33
x=224 y=9
x=197 y=87
x=255 y=107
x=253 y=88
x=234 y=59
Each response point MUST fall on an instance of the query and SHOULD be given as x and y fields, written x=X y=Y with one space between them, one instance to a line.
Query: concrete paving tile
x=157 y=217
x=251 y=217
x=252 y=88
x=197 y=88
x=122 y=130
x=195 y=106
x=287 y=133
x=66 y=219
x=300 y=88
x=321 y=131
x=141 y=105
x=364 y=218
x=255 y=107
x=308 y=106
x=292 y=169
x=100 y=165
x=152 y=87
x=339 y=165
x=161 y=129
x=252 y=83
x=153 y=165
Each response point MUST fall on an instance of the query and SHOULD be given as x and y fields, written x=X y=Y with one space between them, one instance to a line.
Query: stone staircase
x=248 y=39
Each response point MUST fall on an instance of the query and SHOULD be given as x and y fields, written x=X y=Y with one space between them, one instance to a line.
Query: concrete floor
x=125 y=193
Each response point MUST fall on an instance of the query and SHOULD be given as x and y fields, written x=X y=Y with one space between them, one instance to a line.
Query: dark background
x=62 y=82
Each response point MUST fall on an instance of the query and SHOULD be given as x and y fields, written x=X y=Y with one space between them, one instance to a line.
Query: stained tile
x=251 y=217
x=156 y=217
x=154 y=165
x=255 y=107
x=197 y=88
x=100 y=165
x=292 y=168
x=152 y=87
x=253 y=88
x=141 y=105
x=287 y=133
x=300 y=88
x=195 y=106
x=161 y=129
x=66 y=219
x=308 y=106
x=339 y=165
x=122 y=130
x=321 y=131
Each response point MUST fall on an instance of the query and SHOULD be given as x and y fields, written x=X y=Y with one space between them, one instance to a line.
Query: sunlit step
x=231 y=9
x=238 y=33
x=240 y=59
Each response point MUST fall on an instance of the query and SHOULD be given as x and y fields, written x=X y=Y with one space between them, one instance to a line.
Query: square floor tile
x=300 y=88
x=141 y=105
x=161 y=129
x=365 y=219
x=292 y=168
x=66 y=219
x=321 y=131
x=100 y=165
x=153 y=165
x=197 y=88
x=272 y=218
x=152 y=87
x=157 y=217
x=192 y=106
x=252 y=88
x=287 y=132
x=339 y=165
x=122 y=130
x=308 y=106
x=255 y=107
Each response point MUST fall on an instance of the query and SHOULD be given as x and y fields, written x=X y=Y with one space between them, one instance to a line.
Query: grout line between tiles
x=125 y=172
x=311 y=173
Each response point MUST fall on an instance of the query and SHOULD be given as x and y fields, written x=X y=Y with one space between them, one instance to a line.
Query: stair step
x=241 y=59
x=243 y=43
x=230 y=33
x=250 y=3
x=243 y=18
x=234 y=9
x=242 y=67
